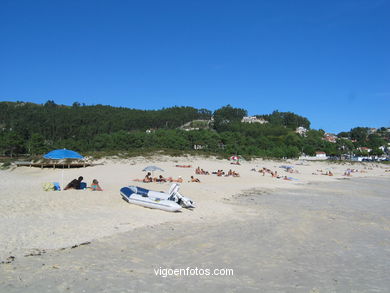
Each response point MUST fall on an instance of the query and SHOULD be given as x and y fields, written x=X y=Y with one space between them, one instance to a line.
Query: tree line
x=35 y=129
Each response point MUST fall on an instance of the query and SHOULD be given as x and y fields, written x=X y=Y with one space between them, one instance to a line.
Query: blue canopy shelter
x=62 y=154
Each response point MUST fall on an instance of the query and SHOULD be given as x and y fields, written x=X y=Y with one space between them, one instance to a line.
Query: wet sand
x=320 y=237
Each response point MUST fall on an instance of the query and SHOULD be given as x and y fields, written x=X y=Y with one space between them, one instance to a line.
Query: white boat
x=171 y=202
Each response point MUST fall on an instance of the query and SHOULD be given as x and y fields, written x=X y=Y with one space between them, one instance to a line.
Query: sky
x=326 y=60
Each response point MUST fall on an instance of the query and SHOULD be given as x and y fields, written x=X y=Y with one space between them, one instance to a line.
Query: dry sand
x=257 y=225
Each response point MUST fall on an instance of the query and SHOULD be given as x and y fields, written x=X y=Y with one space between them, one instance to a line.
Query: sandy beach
x=314 y=233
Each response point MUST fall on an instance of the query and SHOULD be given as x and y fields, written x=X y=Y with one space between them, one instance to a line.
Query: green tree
x=12 y=143
x=36 y=144
x=226 y=115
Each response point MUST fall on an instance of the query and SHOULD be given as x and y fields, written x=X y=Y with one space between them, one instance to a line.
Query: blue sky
x=326 y=60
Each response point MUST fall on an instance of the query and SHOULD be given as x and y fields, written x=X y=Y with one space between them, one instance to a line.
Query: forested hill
x=55 y=122
x=27 y=128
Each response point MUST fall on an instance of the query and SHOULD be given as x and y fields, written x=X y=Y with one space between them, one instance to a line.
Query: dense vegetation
x=35 y=129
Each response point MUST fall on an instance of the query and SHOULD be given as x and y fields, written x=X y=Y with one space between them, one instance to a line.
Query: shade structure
x=61 y=154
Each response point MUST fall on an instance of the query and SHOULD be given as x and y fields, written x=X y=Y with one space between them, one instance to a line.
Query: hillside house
x=321 y=155
x=253 y=119
x=301 y=130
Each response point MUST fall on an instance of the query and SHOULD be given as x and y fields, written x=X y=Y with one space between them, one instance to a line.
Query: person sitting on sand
x=95 y=186
x=148 y=178
x=74 y=184
x=347 y=173
x=235 y=174
x=194 y=179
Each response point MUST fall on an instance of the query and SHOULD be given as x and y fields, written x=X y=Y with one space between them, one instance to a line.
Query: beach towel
x=48 y=186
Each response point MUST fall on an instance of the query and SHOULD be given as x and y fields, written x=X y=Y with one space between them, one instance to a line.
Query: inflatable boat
x=171 y=202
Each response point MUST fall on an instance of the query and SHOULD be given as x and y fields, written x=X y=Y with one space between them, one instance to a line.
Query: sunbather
x=179 y=180
x=194 y=179
x=95 y=186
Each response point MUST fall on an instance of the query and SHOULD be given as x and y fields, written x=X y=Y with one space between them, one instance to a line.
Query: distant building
x=330 y=137
x=372 y=130
x=321 y=155
x=318 y=156
x=301 y=130
x=364 y=149
x=199 y=147
x=253 y=119
x=191 y=129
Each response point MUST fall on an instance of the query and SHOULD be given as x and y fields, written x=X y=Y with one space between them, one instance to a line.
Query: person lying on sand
x=183 y=166
x=194 y=179
x=179 y=180
x=95 y=186
x=74 y=184
x=200 y=171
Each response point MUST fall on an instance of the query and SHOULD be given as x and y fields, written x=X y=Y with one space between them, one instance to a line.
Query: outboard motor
x=185 y=202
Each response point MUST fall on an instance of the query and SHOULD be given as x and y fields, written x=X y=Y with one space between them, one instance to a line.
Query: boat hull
x=148 y=199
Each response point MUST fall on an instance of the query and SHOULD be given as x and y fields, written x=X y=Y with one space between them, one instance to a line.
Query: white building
x=321 y=155
x=301 y=130
x=253 y=119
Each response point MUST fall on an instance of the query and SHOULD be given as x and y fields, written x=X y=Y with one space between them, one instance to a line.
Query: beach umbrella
x=62 y=154
x=152 y=169
x=234 y=158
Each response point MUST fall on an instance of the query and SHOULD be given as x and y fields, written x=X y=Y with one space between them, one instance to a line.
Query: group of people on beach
x=326 y=173
x=274 y=174
x=219 y=173
x=148 y=179
x=79 y=184
x=94 y=186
